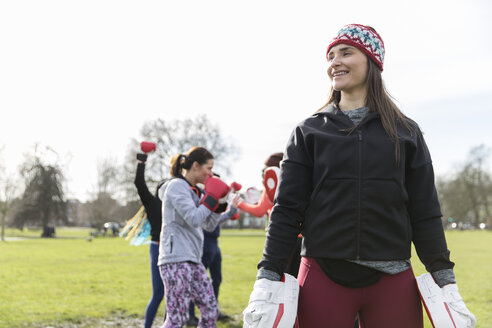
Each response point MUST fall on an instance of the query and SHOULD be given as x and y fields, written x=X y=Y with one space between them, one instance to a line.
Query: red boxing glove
x=215 y=189
x=236 y=186
x=270 y=181
x=235 y=216
x=147 y=146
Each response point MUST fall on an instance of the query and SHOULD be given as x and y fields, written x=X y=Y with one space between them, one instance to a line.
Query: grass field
x=68 y=279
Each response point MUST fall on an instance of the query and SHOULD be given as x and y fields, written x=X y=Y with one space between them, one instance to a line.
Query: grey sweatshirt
x=183 y=218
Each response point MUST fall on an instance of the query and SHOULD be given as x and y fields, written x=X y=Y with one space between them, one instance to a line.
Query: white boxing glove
x=444 y=306
x=461 y=315
x=252 y=195
x=272 y=304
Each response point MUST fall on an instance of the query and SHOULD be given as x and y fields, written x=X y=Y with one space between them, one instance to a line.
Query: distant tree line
x=465 y=194
x=42 y=202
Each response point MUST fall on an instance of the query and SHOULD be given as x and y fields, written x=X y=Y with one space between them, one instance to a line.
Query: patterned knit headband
x=362 y=37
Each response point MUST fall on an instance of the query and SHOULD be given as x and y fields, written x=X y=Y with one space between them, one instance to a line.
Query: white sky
x=83 y=76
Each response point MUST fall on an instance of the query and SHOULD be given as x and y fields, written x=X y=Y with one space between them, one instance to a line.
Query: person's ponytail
x=177 y=164
x=185 y=161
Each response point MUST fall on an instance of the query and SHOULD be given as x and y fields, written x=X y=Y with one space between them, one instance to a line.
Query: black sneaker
x=223 y=317
x=192 y=322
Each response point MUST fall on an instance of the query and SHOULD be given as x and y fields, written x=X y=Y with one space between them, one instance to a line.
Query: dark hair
x=159 y=185
x=274 y=159
x=185 y=161
x=378 y=100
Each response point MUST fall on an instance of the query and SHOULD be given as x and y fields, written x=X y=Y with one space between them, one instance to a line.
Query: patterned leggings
x=185 y=281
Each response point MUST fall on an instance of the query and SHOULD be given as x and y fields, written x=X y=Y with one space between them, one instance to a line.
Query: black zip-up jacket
x=152 y=204
x=349 y=198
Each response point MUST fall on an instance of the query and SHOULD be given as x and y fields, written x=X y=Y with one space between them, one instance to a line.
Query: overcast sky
x=83 y=76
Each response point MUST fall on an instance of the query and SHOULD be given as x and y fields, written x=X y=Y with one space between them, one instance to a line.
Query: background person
x=212 y=260
x=152 y=205
x=265 y=204
x=185 y=211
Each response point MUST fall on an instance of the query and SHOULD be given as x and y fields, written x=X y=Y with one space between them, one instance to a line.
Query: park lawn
x=56 y=280
x=52 y=281
x=472 y=253
x=64 y=232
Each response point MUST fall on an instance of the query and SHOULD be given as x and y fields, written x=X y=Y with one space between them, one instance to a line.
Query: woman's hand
x=236 y=200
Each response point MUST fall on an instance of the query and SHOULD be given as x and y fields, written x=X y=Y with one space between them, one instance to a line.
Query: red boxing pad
x=147 y=146
x=270 y=181
x=236 y=186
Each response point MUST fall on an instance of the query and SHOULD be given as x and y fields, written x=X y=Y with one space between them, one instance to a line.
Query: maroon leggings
x=391 y=302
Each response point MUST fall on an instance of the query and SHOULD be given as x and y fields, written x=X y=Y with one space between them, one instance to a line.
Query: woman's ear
x=195 y=165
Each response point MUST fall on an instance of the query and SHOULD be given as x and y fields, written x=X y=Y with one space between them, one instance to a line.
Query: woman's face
x=204 y=171
x=348 y=68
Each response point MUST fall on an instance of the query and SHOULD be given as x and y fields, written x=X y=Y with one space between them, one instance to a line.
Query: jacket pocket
x=171 y=250
x=169 y=244
x=385 y=222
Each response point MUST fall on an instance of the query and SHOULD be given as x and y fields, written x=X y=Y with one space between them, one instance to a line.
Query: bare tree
x=104 y=206
x=454 y=203
x=174 y=137
x=7 y=190
x=107 y=176
x=467 y=194
x=43 y=200
x=102 y=209
x=476 y=179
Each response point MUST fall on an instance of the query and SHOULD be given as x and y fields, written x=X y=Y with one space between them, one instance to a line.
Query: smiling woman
x=355 y=60
x=348 y=70
x=357 y=181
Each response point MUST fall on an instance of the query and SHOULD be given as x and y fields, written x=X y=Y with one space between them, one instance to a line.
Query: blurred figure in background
x=152 y=205
x=270 y=175
x=212 y=259
x=186 y=210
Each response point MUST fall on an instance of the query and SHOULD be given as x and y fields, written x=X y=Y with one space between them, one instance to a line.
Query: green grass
x=51 y=281
x=65 y=232
x=65 y=279
x=472 y=253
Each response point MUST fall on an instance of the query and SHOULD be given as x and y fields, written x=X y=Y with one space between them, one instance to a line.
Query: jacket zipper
x=359 y=132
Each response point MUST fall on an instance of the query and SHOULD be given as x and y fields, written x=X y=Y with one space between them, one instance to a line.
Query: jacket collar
x=330 y=108
x=333 y=111
x=197 y=190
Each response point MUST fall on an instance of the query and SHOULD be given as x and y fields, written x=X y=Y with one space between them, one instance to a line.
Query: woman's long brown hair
x=378 y=100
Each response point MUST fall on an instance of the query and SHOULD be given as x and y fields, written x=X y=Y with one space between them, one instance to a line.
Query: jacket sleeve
x=259 y=209
x=424 y=209
x=142 y=189
x=181 y=199
x=151 y=203
x=291 y=200
x=217 y=218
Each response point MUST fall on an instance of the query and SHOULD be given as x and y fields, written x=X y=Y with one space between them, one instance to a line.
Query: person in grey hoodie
x=186 y=209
